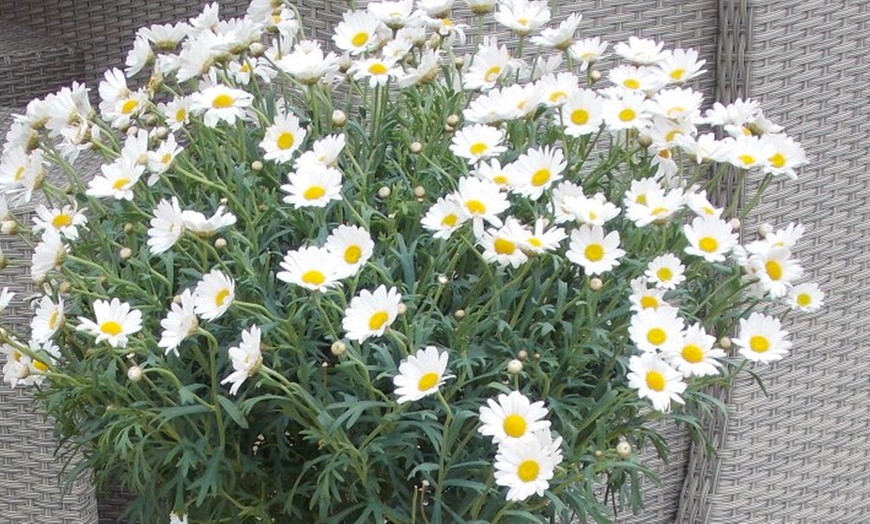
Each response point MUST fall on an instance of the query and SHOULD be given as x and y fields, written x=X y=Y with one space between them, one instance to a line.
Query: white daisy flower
x=701 y=206
x=47 y=319
x=214 y=294
x=324 y=152
x=629 y=111
x=357 y=32
x=21 y=173
x=593 y=251
x=762 y=339
x=167 y=226
x=377 y=70
x=492 y=172
x=421 y=374
x=176 y=112
x=478 y=142
x=66 y=220
x=117 y=180
x=307 y=63
x=787 y=155
x=115 y=321
x=709 y=238
x=654 y=379
x=220 y=103
x=140 y=56
x=787 y=237
x=561 y=37
x=427 y=70
x=640 y=51
x=313 y=186
x=438 y=8
x=48 y=254
x=371 y=313
x=113 y=87
x=523 y=16
x=488 y=66
x=526 y=466
x=643 y=297
x=165 y=37
x=697 y=357
x=563 y=201
x=5 y=295
x=481 y=200
x=352 y=245
x=161 y=159
x=180 y=323
x=556 y=89
x=582 y=113
x=680 y=65
x=536 y=170
x=807 y=297
x=394 y=15
x=196 y=223
x=314 y=268
x=246 y=359
x=677 y=103
x=775 y=270
x=26 y=371
x=444 y=217
x=542 y=239
x=592 y=211
x=747 y=152
x=504 y=245
x=588 y=51
x=513 y=417
x=659 y=329
x=631 y=78
x=704 y=148
x=174 y=518
x=666 y=271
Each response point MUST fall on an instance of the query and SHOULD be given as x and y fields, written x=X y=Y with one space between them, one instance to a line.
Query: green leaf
x=233 y=411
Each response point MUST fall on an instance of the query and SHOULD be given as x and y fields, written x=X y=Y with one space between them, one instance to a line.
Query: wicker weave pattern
x=803 y=455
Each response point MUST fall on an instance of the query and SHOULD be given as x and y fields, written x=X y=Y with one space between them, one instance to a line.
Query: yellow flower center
x=804 y=299
x=245 y=68
x=449 y=221
x=692 y=354
x=708 y=244
x=492 y=73
x=19 y=174
x=378 y=68
x=478 y=148
x=475 y=207
x=671 y=134
x=359 y=39
x=427 y=381
x=558 y=96
x=627 y=115
x=541 y=177
x=286 y=140
x=631 y=83
x=665 y=153
x=221 y=297
x=514 y=426
x=533 y=241
x=594 y=252
x=747 y=159
x=676 y=111
x=579 y=117
x=777 y=160
x=658 y=211
x=313 y=193
x=314 y=277
x=655 y=381
x=166 y=158
x=664 y=274
x=528 y=470
x=180 y=115
x=40 y=366
x=759 y=344
x=641 y=199
x=129 y=106
x=504 y=247
x=352 y=254
x=656 y=336
x=377 y=320
x=61 y=220
x=222 y=101
x=774 y=269
x=120 y=183
x=111 y=327
x=523 y=21
x=649 y=302
x=677 y=74
x=52 y=320
x=500 y=180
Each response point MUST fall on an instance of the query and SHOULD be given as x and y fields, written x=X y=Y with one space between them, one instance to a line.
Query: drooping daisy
x=357 y=32
x=560 y=37
x=444 y=217
x=504 y=245
x=697 y=356
x=762 y=339
x=640 y=51
x=324 y=152
x=66 y=220
x=246 y=359
x=307 y=63
x=654 y=379
x=588 y=51
x=512 y=417
x=536 y=170
x=370 y=314
x=703 y=148
x=526 y=466
x=806 y=297
x=562 y=201
x=47 y=319
x=582 y=113
x=710 y=238
x=48 y=254
x=593 y=251
x=666 y=271
x=481 y=200
x=117 y=180
x=167 y=226
x=421 y=374
x=196 y=223
x=477 y=142
x=314 y=268
x=220 y=103
x=643 y=297
x=115 y=321
x=180 y=323
x=542 y=239
x=352 y=246
x=523 y=16
x=313 y=186
x=427 y=70
x=214 y=294
x=659 y=329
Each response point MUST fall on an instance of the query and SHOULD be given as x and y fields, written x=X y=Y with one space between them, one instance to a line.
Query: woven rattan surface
x=803 y=455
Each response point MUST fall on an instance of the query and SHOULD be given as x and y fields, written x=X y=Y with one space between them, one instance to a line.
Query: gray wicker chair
x=801 y=455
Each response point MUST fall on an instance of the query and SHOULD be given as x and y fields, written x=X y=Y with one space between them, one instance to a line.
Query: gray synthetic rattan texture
x=30 y=485
x=803 y=455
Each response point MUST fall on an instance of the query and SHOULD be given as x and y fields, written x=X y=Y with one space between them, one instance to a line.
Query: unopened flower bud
x=344 y=63
x=132 y=131
x=595 y=284
x=735 y=223
x=523 y=355
x=448 y=128
x=419 y=191
x=126 y=253
x=764 y=230
x=595 y=75
x=224 y=201
x=725 y=343
x=425 y=484
x=452 y=120
x=65 y=286
x=537 y=356
x=416 y=147
x=161 y=132
x=338 y=348
x=150 y=119
x=256 y=49
x=623 y=449
x=256 y=166
x=402 y=309
x=598 y=453
x=128 y=228
x=384 y=192
x=220 y=243
x=458 y=62
x=7 y=227
x=176 y=299
x=459 y=314
x=514 y=367
x=339 y=118
x=443 y=279
x=644 y=140
x=134 y=374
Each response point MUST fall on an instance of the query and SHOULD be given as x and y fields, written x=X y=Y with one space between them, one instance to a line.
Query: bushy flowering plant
x=391 y=282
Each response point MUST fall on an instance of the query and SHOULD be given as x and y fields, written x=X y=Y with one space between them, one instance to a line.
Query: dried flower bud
x=256 y=49
x=764 y=230
x=452 y=120
x=595 y=75
x=338 y=348
x=725 y=343
x=595 y=284
x=735 y=223
x=65 y=286
x=514 y=367
x=416 y=147
x=220 y=243
x=448 y=128
x=523 y=355
x=134 y=373
x=419 y=191
x=125 y=253
x=443 y=279
x=339 y=118
x=459 y=314
x=128 y=228
x=256 y=166
x=384 y=192
x=623 y=449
